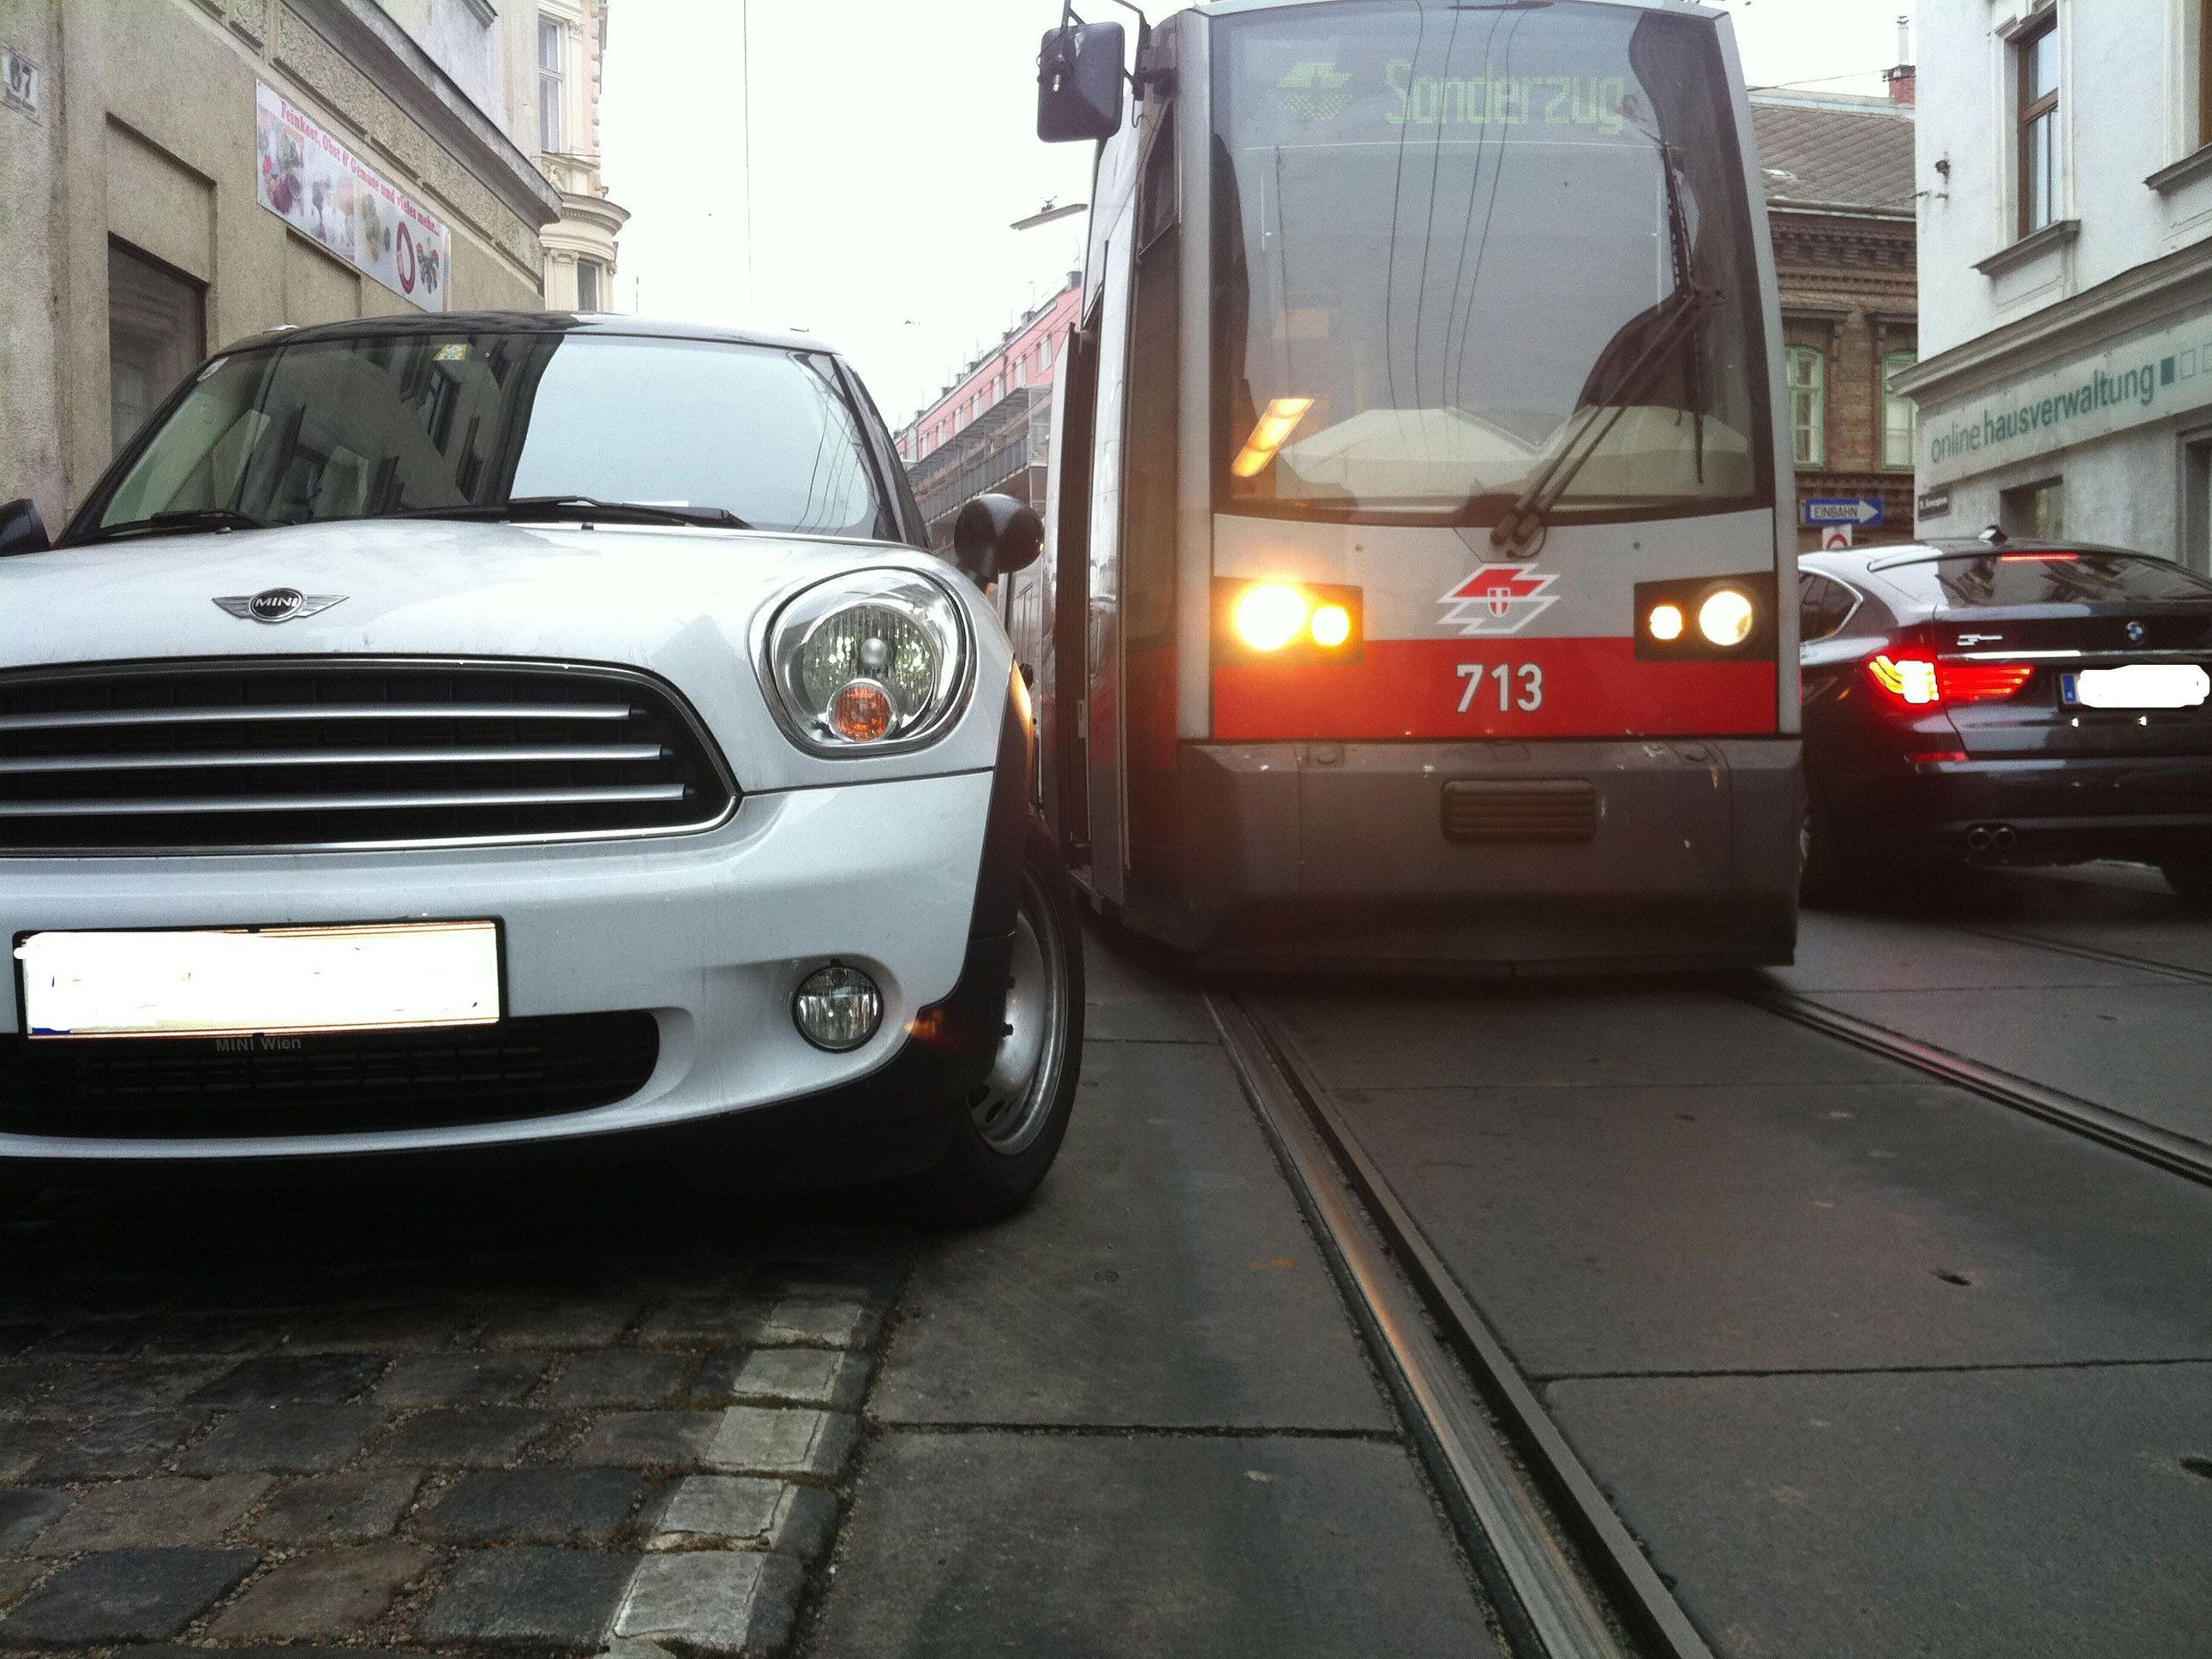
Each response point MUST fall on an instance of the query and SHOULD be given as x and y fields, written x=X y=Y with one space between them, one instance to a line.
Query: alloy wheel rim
x=1016 y=1101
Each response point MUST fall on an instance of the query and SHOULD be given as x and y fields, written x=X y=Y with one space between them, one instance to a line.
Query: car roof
x=526 y=322
x=1888 y=554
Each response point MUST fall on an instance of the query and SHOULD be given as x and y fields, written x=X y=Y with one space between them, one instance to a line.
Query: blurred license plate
x=2141 y=685
x=246 y=981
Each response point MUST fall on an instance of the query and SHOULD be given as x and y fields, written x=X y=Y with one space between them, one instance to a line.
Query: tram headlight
x=868 y=662
x=1725 y=618
x=1665 y=623
x=1269 y=615
x=1286 y=622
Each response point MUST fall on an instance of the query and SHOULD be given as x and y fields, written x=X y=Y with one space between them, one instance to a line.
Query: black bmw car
x=2005 y=701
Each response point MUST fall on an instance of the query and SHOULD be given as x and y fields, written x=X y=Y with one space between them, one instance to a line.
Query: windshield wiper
x=185 y=519
x=1521 y=528
x=521 y=509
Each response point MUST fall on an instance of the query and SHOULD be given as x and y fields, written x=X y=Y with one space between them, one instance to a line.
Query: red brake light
x=1916 y=681
x=1983 y=682
x=2039 y=558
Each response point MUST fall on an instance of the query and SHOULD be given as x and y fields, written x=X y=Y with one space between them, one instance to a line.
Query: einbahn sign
x=1815 y=512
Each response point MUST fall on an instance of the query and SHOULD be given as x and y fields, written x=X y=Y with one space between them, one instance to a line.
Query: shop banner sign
x=2148 y=377
x=325 y=192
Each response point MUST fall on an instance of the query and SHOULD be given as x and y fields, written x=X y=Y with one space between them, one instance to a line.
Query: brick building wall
x=1838 y=172
x=1849 y=292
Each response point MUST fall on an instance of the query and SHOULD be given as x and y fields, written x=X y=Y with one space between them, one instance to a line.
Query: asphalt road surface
x=1869 y=1361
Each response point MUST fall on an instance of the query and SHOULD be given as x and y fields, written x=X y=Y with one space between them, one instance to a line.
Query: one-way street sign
x=1814 y=511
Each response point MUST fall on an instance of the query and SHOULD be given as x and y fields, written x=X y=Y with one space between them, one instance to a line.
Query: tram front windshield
x=1456 y=242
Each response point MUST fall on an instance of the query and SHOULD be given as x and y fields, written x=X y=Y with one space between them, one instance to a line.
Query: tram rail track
x=2086 y=952
x=2176 y=1153
x=1567 y=1578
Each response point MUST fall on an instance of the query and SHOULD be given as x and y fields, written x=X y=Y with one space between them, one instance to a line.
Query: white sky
x=893 y=144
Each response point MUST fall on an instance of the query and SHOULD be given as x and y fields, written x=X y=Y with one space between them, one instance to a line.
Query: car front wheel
x=1006 y=1136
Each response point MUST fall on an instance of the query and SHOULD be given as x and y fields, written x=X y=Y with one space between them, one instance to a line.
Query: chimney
x=1900 y=78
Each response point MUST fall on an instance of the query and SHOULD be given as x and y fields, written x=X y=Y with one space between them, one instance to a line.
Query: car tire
x=2191 y=875
x=1003 y=1139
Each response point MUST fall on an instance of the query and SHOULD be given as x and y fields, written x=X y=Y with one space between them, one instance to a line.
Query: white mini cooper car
x=472 y=731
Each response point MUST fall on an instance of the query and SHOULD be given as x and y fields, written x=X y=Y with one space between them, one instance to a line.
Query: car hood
x=679 y=602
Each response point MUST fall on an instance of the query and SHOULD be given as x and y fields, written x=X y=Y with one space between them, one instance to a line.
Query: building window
x=588 y=285
x=1809 y=406
x=2036 y=60
x=552 y=86
x=1901 y=415
x=2037 y=511
x=1044 y=354
x=998 y=387
x=156 y=335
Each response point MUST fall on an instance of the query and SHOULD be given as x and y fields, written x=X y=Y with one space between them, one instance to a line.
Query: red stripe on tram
x=1552 y=688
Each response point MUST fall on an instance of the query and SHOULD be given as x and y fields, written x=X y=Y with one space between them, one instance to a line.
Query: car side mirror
x=995 y=535
x=1080 y=82
x=21 y=529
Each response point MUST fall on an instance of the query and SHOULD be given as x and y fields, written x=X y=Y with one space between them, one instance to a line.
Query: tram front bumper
x=1522 y=857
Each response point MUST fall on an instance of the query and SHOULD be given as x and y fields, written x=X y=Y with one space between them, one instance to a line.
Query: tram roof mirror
x=1080 y=82
x=995 y=535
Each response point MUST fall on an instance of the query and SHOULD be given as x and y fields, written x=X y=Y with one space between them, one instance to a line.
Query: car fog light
x=1725 y=618
x=861 y=712
x=1665 y=622
x=837 y=1007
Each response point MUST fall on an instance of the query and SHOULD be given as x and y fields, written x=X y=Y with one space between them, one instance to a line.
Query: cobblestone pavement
x=405 y=1418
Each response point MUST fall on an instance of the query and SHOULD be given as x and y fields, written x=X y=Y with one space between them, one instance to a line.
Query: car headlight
x=867 y=662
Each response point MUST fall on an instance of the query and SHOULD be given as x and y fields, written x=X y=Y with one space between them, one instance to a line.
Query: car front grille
x=1540 y=810
x=236 y=755
x=191 y=1087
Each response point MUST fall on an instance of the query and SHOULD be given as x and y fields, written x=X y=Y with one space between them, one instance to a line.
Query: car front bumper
x=711 y=933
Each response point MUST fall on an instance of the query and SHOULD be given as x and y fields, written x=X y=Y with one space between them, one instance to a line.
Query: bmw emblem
x=2136 y=631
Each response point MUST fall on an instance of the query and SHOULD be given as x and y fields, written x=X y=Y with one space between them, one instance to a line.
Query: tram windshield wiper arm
x=1679 y=317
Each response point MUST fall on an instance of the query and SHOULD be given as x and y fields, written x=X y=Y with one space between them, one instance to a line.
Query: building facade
x=180 y=174
x=1839 y=176
x=2065 y=181
x=990 y=428
x=556 y=76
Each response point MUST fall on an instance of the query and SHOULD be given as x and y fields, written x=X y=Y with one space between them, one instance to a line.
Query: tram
x=1419 y=587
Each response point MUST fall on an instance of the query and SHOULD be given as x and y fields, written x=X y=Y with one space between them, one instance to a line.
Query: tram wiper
x=1675 y=321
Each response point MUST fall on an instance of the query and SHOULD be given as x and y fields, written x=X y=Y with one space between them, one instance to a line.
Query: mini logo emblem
x=2135 y=632
x=1497 y=598
x=276 y=605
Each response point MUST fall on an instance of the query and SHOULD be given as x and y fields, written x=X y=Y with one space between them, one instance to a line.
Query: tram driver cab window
x=1395 y=337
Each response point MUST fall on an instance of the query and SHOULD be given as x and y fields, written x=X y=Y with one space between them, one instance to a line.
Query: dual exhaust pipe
x=1992 y=838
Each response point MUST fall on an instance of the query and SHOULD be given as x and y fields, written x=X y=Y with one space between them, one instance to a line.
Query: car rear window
x=1968 y=581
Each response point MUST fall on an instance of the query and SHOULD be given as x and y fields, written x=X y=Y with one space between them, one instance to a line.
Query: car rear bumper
x=1523 y=857
x=2050 y=810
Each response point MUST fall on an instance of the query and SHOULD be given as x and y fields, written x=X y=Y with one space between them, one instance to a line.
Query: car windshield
x=1456 y=248
x=1992 y=580
x=438 y=422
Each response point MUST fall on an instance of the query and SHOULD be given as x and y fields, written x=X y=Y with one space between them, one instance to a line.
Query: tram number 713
x=1529 y=676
